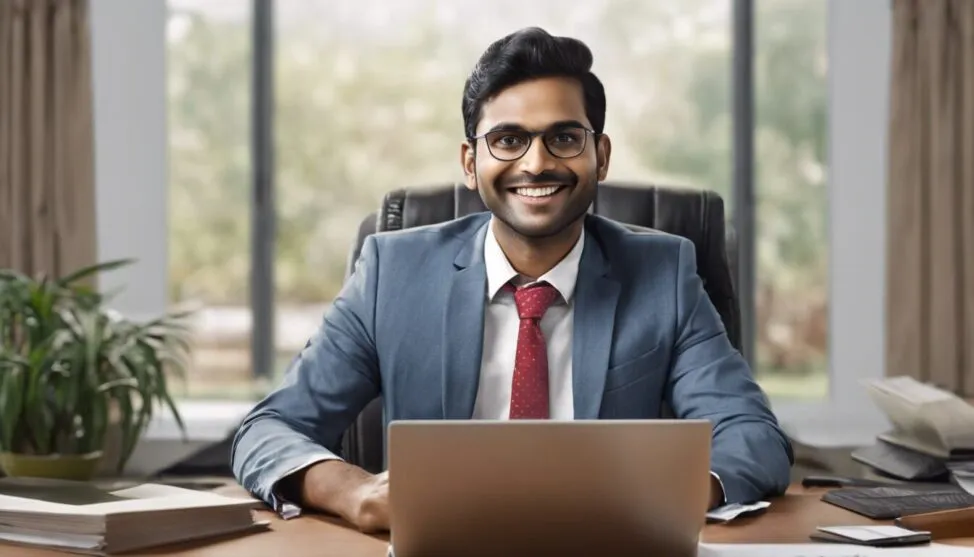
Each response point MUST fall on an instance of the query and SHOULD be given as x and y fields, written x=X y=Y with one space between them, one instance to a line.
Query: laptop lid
x=592 y=487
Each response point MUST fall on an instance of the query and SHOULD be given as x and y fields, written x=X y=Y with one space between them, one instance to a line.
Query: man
x=534 y=310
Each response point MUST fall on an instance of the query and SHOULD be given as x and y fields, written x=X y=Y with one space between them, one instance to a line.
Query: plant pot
x=56 y=466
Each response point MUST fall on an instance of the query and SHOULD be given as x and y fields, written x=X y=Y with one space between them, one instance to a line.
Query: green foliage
x=68 y=366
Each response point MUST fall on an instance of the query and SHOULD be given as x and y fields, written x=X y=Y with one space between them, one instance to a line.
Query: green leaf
x=127 y=383
x=129 y=425
x=11 y=402
x=94 y=269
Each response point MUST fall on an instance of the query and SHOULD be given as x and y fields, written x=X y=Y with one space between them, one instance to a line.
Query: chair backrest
x=697 y=215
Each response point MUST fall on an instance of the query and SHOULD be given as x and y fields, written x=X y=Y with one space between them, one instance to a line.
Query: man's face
x=544 y=191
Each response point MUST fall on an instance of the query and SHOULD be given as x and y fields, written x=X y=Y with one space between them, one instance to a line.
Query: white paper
x=828 y=550
x=42 y=496
x=72 y=541
x=924 y=417
x=966 y=483
x=869 y=533
x=734 y=510
x=82 y=541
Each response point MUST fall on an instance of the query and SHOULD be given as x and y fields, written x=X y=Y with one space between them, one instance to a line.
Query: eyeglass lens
x=565 y=142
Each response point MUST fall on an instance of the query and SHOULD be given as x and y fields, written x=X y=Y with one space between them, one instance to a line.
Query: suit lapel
x=596 y=296
x=463 y=322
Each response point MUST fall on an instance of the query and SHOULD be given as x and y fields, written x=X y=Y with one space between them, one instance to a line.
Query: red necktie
x=529 y=390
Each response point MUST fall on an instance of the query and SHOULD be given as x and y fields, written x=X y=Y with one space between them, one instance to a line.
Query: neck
x=533 y=257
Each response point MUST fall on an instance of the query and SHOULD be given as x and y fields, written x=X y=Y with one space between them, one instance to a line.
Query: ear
x=468 y=160
x=603 y=151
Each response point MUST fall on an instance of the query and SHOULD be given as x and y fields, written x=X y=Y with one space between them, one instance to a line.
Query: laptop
x=565 y=488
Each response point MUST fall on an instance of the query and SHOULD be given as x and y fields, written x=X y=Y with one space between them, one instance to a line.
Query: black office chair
x=697 y=215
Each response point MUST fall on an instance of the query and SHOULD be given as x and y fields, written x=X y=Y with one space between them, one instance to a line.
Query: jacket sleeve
x=325 y=388
x=709 y=379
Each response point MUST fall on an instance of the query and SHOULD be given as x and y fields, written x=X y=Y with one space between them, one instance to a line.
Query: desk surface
x=789 y=520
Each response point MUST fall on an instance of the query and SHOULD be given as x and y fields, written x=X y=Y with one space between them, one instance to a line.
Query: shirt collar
x=499 y=270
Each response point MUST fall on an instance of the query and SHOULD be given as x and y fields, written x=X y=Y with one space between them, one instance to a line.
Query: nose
x=537 y=159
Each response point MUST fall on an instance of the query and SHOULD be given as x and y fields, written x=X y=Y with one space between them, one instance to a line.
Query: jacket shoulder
x=615 y=236
x=448 y=231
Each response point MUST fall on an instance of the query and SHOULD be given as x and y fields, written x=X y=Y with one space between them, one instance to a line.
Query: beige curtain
x=930 y=271
x=47 y=202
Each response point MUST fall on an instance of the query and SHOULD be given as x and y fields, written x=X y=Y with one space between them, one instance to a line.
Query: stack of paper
x=925 y=418
x=80 y=517
x=962 y=474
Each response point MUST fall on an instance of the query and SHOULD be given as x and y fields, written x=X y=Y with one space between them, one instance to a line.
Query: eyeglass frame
x=531 y=135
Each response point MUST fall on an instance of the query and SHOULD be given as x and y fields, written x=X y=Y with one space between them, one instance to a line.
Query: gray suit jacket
x=408 y=325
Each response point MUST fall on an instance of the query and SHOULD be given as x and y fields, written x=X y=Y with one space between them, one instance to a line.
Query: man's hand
x=348 y=491
x=716 y=493
x=372 y=512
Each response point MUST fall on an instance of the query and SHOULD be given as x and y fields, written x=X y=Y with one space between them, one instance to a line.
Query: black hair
x=527 y=54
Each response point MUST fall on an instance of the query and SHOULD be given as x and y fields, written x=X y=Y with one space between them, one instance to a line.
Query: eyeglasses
x=563 y=142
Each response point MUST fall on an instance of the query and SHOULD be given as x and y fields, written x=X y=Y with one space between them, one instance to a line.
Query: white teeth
x=537 y=192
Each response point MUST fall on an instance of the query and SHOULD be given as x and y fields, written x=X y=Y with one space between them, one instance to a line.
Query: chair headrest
x=688 y=212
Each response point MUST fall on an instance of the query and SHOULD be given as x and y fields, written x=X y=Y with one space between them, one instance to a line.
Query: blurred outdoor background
x=368 y=100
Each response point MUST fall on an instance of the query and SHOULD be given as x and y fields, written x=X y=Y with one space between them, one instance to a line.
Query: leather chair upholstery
x=697 y=215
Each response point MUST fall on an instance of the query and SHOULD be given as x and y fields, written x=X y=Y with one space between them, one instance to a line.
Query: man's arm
x=301 y=423
x=709 y=379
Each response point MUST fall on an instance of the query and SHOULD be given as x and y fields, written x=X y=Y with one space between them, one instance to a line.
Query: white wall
x=859 y=66
x=131 y=183
x=859 y=43
x=129 y=79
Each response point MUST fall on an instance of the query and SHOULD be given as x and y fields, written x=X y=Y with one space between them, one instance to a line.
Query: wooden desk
x=789 y=520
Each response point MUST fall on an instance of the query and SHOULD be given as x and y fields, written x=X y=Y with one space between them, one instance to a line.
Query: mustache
x=546 y=177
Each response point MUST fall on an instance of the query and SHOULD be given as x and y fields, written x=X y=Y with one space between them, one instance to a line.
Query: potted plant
x=69 y=366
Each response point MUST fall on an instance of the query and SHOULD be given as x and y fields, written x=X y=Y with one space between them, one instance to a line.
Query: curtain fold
x=930 y=210
x=47 y=190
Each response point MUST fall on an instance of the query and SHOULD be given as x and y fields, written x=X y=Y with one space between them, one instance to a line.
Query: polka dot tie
x=529 y=391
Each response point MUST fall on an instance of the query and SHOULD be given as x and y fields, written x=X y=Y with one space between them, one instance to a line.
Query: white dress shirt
x=501 y=324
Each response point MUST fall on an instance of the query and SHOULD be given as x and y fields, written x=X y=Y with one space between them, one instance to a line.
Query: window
x=367 y=99
x=790 y=143
x=209 y=95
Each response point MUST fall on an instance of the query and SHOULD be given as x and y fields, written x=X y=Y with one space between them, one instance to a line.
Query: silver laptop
x=533 y=488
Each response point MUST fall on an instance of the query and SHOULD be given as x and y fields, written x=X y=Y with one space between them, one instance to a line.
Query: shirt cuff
x=284 y=507
x=723 y=493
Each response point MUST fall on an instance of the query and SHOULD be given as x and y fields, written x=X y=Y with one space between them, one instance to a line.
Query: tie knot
x=533 y=301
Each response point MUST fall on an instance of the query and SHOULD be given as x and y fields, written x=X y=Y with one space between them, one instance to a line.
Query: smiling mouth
x=537 y=192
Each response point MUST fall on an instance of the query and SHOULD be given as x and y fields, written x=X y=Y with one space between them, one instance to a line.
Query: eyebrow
x=511 y=126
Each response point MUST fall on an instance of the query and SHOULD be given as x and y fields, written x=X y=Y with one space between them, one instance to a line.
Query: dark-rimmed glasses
x=563 y=142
